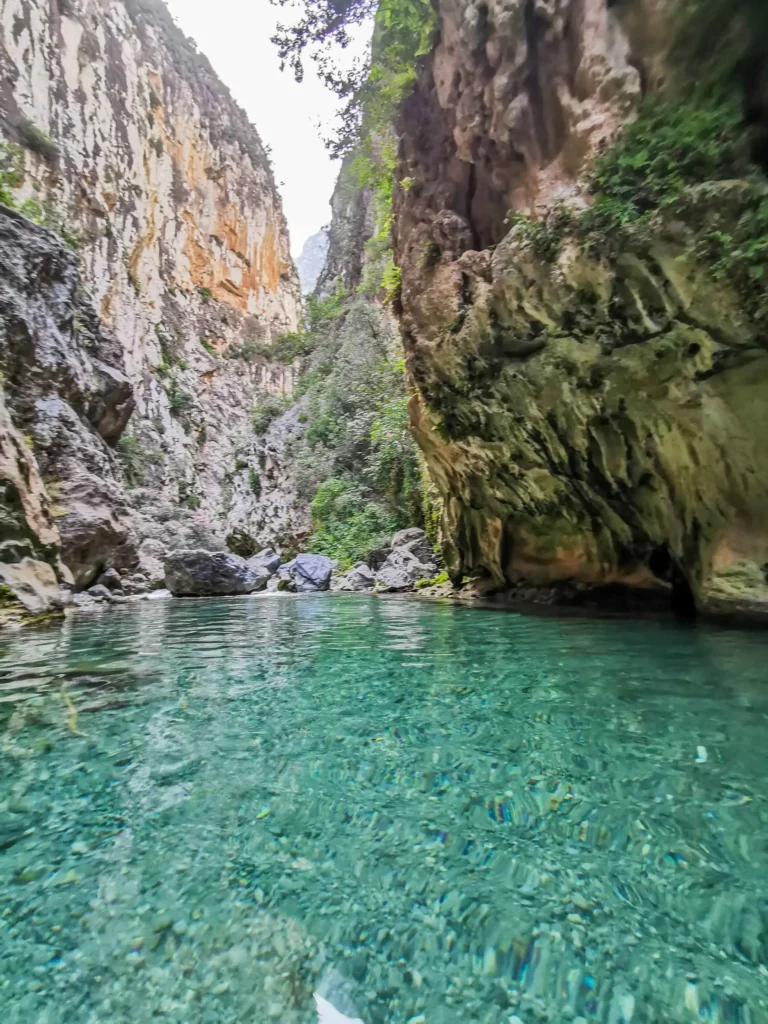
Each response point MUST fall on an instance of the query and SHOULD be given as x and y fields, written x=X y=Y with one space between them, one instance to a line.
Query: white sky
x=235 y=36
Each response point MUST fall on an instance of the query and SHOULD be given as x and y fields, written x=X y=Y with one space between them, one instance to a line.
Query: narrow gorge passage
x=383 y=511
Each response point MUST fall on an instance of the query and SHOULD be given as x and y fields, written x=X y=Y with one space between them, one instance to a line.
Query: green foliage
x=371 y=90
x=648 y=167
x=192 y=501
x=357 y=436
x=35 y=139
x=254 y=481
x=205 y=294
x=135 y=460
x=268 y=410
x=323 y=311
x=349 y=523
x=208 y=346
x=178 y=399
x=11 y=163
x=669 y=147
x=442 y=577
x=288 y=347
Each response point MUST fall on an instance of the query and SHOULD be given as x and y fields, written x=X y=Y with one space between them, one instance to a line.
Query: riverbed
x=210 y=810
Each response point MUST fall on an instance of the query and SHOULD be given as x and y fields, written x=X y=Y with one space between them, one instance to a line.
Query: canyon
x=585 y=358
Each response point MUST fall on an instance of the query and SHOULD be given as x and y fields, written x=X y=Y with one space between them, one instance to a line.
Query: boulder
x=403 y=569
x=33 y=584
x=99 y=593
x=137 y=583
x=360 y=577
x=306 y=574
x=111 y=580
x=151 y=555
x=415 y=541
x=197 y=573
x=267 y=559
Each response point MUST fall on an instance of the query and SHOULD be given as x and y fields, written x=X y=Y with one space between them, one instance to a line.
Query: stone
x=34 y=585
x=99 y=593
x=111 y=579
x=268 y=560
x=136 y=583
x=416 y=541
x=403 y=569
x=307 y=574
x=359 y=578
x=197 y=573
x=151 y=555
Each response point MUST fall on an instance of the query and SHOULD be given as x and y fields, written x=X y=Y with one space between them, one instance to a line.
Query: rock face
x=410 y=560
x=135 y=150
x=588 y=418
x=65 y=393
x=312 y=260
x=209 y=573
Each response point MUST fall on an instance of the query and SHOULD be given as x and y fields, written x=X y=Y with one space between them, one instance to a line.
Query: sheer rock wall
x=590 y=421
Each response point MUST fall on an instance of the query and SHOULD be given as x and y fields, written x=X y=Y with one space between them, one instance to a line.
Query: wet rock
x=360 y=577
x=111 y=580
x=403 y=569
x=307 y=573
x=99 y=593
x=196 y=573
x=268 y=560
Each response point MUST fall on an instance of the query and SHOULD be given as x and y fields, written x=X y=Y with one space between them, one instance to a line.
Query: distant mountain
x=310 y=262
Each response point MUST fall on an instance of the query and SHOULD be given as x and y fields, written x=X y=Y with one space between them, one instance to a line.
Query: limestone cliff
x=135 y=152
x=593 y=414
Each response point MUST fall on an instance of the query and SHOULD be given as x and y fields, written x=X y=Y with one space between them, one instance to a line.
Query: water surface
x=208 y=810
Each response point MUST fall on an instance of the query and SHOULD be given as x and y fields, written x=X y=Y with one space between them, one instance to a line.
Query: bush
x=178 y=399
x=288 y=347
x=268 y=410
x=135 y=459
x=349 y=523
x=33 y=138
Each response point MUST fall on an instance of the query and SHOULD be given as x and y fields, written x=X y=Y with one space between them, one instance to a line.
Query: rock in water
x=267 y=559
x=208 y=573
x=403 y=569
x=327 y=1014
x=307 y=573
x=359 y=577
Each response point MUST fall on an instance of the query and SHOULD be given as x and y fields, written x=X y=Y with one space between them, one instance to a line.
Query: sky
x=235 y=36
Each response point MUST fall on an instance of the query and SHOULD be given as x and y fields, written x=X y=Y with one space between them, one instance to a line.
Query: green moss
x=442 y=577
x=33 y=138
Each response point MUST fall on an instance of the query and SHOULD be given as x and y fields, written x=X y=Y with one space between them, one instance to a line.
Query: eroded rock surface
x=306 y=574
x=593 y=419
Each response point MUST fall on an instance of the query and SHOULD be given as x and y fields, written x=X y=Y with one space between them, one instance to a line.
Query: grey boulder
x=415 y=541
x=403 y=569
x=360 y=577
x=267 y=559
x=307 y=574
x=99 y=593
x=197 y=573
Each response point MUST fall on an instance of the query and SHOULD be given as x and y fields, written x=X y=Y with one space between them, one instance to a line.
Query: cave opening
x=666 y=568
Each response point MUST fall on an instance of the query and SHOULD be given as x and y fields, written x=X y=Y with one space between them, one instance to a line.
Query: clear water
x=426 y=813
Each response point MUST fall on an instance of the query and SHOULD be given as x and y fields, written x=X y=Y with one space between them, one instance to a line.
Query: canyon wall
x=135 y=154
x=592 y=406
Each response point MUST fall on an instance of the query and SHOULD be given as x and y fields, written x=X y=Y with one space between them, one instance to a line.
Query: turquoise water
x=209 y=810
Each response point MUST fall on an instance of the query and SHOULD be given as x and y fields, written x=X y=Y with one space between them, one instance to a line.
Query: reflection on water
x=209 y=810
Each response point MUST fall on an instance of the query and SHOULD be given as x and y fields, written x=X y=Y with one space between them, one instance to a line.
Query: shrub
x=135 y=459
x=349 y=523
x=268 y=410
x=35 y=139
x=178 y=399
x=208 y=346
